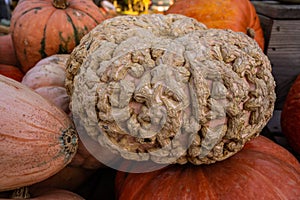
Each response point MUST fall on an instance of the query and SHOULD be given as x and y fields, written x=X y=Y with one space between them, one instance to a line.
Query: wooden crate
x=281 y=25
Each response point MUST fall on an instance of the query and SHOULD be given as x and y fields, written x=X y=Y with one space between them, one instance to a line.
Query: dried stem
x=60 y=4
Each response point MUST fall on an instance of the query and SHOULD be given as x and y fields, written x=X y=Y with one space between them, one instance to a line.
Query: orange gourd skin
x=237 y=15
x=290 y=116
x=7 y=51
x=11 y=72
x=262 y=170
x=37 y=138
x=40 y=30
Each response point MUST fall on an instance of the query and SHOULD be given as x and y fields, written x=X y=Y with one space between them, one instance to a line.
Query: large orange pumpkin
x=237 y=15
x=37 y=138
x=43 y=28
x=290 y=116
x=262 y=170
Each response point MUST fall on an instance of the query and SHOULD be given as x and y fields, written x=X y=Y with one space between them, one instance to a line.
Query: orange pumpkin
x=8 y=54
x=11 y=72
x=37 y=138
x=262 y=170
x=47 y=78
x=290 y=116
x=237 y=15
x=42 y=28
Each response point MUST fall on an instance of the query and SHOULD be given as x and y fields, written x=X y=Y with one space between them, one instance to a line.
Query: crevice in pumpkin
x=43 y=44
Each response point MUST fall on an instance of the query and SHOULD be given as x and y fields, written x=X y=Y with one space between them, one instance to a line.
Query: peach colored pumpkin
x=37 y=138
x=47 y=78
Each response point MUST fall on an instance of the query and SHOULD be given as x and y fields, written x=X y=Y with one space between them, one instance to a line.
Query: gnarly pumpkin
x=47 y=78
x=290 y=116
x=8 y=55
x=165 y=89
x=262 y=170
x=37 y=138
x=42 y=28
x=11 y=72
x=237 y=15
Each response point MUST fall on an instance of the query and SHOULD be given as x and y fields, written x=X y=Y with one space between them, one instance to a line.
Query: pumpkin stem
x=251 y=32
x=69 y=139
x=60 y=4
x=21 y=193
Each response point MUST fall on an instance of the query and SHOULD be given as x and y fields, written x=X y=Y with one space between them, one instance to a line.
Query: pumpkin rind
x=47 y=78
x=40 y=30
x=11 y=72
x=37 y=138
x=290 y=116
x=145 y=86
x=237 y=15
x=262 y=170
x=8 y=55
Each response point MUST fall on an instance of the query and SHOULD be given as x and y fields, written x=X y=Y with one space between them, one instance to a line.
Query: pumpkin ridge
x=21 y=15
x=287 y=168
x=205 y=175
x=46 y=111
x=263 y=177
x=273 y=157
x=43 y=41
x=76 y=36
x=143 y=186
x=88 y=14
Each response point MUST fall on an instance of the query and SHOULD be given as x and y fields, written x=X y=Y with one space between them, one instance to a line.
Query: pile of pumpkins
x=39 y=144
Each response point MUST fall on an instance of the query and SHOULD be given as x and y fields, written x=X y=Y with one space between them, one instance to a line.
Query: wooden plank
x=266 y=25
x=284 y=43
x=277 y=10
x=284 y=54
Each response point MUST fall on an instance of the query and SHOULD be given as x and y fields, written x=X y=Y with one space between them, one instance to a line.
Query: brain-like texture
x=167 y=89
